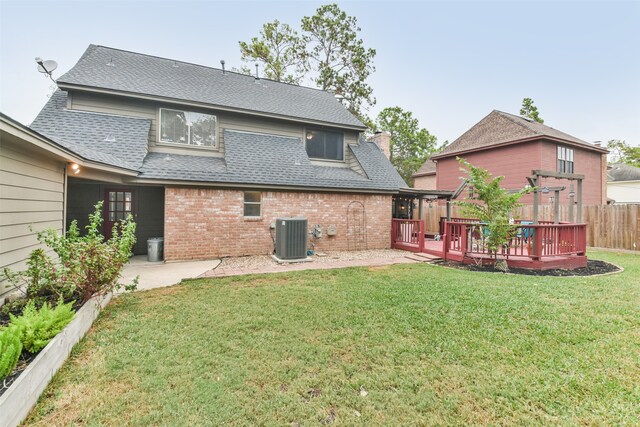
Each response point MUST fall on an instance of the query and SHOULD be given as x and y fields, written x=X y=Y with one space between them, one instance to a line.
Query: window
x=252 y=203
x=187 y=127
x=325 y=145
x=565 y=159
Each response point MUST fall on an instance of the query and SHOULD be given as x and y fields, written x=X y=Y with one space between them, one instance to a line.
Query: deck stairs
x=422 y=257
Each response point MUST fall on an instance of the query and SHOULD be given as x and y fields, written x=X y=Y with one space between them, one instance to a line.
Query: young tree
x=621 y=152
x=280 y=50
x=529 y=110
x=411 y=145
x=338 y=57
x=491 y=204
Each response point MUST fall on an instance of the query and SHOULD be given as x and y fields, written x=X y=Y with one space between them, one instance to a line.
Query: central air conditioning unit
x=291 y=238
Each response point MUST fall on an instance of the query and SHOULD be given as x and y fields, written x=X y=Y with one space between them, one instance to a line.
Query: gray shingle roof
x=150 y=75
x=623 y=172
x=113 y=140
x=261 y=159
x=500 y=127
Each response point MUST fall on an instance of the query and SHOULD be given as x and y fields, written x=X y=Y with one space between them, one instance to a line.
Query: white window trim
x=567 y=155
x=160 y=142
x=322 y=159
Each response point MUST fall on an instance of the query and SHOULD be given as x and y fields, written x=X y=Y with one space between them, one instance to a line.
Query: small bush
x=84 y=266
x=10 y=349
x=37 y=327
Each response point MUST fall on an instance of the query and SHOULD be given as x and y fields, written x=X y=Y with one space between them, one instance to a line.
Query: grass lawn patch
x=404 y=345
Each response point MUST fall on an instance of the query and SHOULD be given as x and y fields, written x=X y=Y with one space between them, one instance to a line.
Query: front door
x=118 y=204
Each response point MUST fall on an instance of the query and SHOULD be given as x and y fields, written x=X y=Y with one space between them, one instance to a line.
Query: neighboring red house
x=513 y=146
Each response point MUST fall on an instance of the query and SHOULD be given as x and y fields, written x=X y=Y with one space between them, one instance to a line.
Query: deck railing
x=534 y=241
x=407 y=234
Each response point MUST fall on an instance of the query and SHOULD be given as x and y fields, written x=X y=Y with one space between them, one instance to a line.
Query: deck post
x=445 y=240
x=537 y=243
x=579 y=201
x=556 y=207
x=421 y=236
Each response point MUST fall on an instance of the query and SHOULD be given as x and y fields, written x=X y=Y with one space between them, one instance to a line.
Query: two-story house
x=513 y=146
x=208 y=158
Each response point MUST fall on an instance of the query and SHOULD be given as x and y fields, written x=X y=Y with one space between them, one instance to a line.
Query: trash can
x=155 y=249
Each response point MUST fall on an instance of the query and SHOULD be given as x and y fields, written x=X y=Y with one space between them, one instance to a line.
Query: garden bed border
x=17 y=401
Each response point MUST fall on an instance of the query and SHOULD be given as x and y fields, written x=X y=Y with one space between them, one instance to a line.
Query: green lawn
x=403 y=345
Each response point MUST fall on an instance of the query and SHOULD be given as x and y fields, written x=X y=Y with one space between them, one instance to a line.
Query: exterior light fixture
x=75 y=168
x=572 y=193
x=545 y=190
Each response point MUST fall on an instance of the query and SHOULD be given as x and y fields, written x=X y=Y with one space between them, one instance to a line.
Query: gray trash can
x=155 y=249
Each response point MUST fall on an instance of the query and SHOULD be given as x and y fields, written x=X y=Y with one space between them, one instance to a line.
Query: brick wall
x=209 y=223
x=425 y=182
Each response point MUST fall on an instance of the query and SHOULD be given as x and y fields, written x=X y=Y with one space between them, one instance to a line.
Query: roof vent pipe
x=222 y=63
x=597 y=143
x=257 y=76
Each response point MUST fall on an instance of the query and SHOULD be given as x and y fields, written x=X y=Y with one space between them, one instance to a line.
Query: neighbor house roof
x=427 y=168
x=623 y=172
x=250 y=158
x=114 y=140
x=499 y=128
x=117 y=70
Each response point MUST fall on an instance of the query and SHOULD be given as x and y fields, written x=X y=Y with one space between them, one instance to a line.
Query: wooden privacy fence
x=608 y=226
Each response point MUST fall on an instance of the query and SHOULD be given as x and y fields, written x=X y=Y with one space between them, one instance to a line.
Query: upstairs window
x=565 y=159
x=323 y=144
x=187 y=127
x=252 y=203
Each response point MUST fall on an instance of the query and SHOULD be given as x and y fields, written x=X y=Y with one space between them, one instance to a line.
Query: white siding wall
x=31 y=193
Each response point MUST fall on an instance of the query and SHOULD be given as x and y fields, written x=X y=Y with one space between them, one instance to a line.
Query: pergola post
x=536 y=199
x=571 y=194
x=448 y=210
x=556 y=207
x=579 y=201
x=420 y=208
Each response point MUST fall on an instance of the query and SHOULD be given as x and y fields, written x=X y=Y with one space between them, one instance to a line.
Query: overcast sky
x=450 y=63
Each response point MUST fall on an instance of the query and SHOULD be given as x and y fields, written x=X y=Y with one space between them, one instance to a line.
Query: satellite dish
x=46 y=67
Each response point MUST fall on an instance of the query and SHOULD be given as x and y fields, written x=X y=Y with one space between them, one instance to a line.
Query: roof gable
x=499 y=127
x=144 y=75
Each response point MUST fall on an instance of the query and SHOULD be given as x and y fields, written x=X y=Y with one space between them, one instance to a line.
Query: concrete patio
x=160 y=274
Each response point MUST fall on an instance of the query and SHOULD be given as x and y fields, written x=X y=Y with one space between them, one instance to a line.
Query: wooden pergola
x=534 y=181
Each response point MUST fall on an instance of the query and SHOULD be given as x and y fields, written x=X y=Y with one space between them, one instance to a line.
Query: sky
x=449 y=63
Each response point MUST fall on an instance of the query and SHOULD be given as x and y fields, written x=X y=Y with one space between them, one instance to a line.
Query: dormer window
x=322 y=144
x=187 y=127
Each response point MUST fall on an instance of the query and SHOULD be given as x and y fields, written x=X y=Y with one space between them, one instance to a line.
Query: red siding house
x=513 y=146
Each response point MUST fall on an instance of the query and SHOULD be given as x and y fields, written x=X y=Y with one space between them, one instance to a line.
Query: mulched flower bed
x=593 y=267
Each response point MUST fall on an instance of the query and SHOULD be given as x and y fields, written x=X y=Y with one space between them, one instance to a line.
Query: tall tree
x=340 y=61
x=411 y=145
x=280 y=50
x=529 y=110
x=621 y=152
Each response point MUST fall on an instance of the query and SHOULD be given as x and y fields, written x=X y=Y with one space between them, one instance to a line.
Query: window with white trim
x=187 y=127
x=252 y=203
x=322 y=144
x=565 y=159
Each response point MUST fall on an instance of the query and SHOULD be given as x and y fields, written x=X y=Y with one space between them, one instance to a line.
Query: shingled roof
x=135 y=73
x=113 y=140
x=623 y=172
x=260 y=159
x=250 y=158
x=499 y=128
x=427 y=168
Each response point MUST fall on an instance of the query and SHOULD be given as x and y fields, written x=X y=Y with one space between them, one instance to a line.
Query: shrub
x=37 y=327
x=10 y=349
x=85 y=265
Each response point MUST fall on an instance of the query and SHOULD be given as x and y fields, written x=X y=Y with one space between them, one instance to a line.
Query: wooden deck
x=535 y=246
